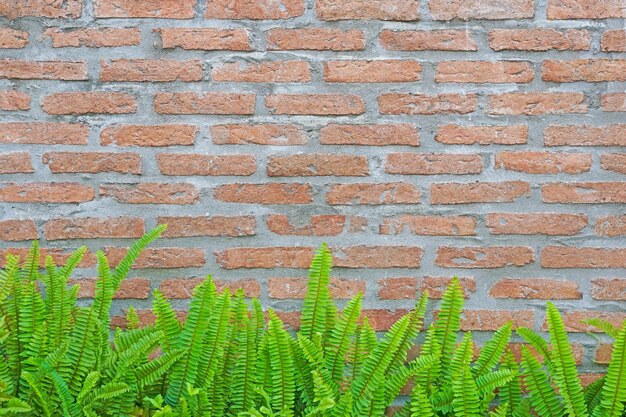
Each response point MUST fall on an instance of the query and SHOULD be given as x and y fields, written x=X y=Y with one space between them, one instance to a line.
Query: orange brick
x=574 y=257
x=369 y=135
x=12 y=38
x=378 y=71
x=150 y=70
x=18 y=230
x=484 y=257
x=539 y=39
x=130 y=288
x=182 y=288
x=589 y=70
x=315 y=104
x=614 y=162
x=492 y=320
x=433 y=164
x=317 y=39
x=269 y=257
x=263 y=72
x=536 y=288
x=585 y=135
x=373 y=193
x=92 y=102
x=202 y=164
x=584 y=192
x=258 y=134
x=254 y=9
x=163 y=9
x=160 y=257
x=401 y=103
x=92 y=162
x=611 y=226
x=614 y=41
x=92 y=38
x=43 y=192
x=573 y=320
x=608 y=289
x=319 y=225
x=551 y=224
x=151 y=193
x=403 y=10
x=43 y=70
x=482 y=135
x=478 y=192
x=41 y=8
x=613 y=102
x=295 y=288
x=94 y=228
x=16 y=163
x=205 y=39
x=208 y=226
x=585 y=9
x=305 y=165
x=204 y=103
x=481 y=9
x=544 y=162
x=14 y=100
x=484 y=72
x=428 y=40
x=275 y=193
x=429 y=225
x=44 y=133
x=148 y=135
x=532 y=104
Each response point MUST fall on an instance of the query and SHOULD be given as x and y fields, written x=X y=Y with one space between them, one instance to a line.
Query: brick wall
x=421 y=140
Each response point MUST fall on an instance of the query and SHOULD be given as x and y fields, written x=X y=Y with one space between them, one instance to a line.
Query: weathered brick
x=484 y=257
x=269 y=257
x=14 y=100
x=315 y=104
x=377 y=257
x=43 y=70
x=151 y=193
x=433 y=164
x=613 y=162
x=612 y=226
x=539 y=39
x=204 y=103
x=15 y=230
x=428 y=40
x=410 y=288
x=233 y=226
x=44 y=133
x=306 y=165
x=544 y=162
x=429 y=225
x=160 y=257
x=381 y=320
x=584 y=192
x=202 y=164
x=16 y=163
x=603 y=353
x=573 y=320
x=295 y=288
x=150 y=70
x=401 y=103
x=205 y=39
x=162 y=9
x=92 y=37
x=274 y=193
x=12 y=38
x=263 y=72
x=148 y=135
x=612 y=289
x=613 y=102
x=13 y=9
x=257 y=134
x=481 y=9
x=379 y=71
x=536 y=288
x=484 y=72
x=551 y=224
x=254 y=9
x=92 y=162
x=46 y=192
x=532 y=104
x=316 y=39
x=59 y=256
x=369 y=135
x=589 y=70
x=91 y=102
x=94 y=228
x=182 y=288
x=492 y=320
x=130 y=288
x=482 y=135
x=319 y=225
x=373 y=193
x=403 y=10
x=586 y=9
x=614 y=41
x=585 y=135
x=478 y=192
x=574 y=257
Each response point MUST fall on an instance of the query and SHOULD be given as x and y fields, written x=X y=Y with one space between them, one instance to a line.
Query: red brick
x=436 y=286
x=382 y=319
x=160 y=257
x=270 y=257
x=182 y=288
x=232 y=226
x=589 y=70
x=613 y=102
x=274 y=193
x=202 y=164
x=603 y=353
x=403 y=10
x=151 y=193
x=306 y=165
x=254 y=9
x=130 y=288
x=612 y=289
x=532 y=104
x=433 y=164
x=44 y=192
x=428 y=40
x=478 y=192
x=12 y=38
x=544 y=162
x=91 y=102
x=13 y=9
x=614 y=41
x=484 y=72
x=482 y=135
x=16 y=163
x=492 y=320
x=612 y=226
x=536 y=288
x=573 y=320
x=585 y=135
x=263 y=72
x=572 y=257
x=257 y=134
x=585 y=9
x=204 y=103
x=94 y=228
x=18 y=230
x=14 y=100
x=315 y=104
x=43 y=70
x=588 y=378
x=410 y=288
x=550 y=224
x=539 y=39
x=92 y=162
x=429 y=225
x=357 y=224
x=369 y=135
x=92 y=37
x=614 y=162
x=377 y=257
x=319 y=225
x=373 y=193
x=378 y=71
x=316 y=39
x=481 y=9
x=205 y=39
x=44 y=133
x=295 y=288
x=148 y=135
x=401 y=103
x=150 y=70
x=584 y=192
x=59 y=256
x=484 y=257
x=163 y=9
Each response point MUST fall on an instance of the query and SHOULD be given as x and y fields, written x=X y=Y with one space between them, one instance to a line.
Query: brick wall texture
x=421 y=139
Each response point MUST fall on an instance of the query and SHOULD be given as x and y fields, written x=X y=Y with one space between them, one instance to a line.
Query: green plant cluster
x=227 y=359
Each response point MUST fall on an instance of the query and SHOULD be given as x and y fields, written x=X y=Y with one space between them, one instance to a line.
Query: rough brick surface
x=421 y=139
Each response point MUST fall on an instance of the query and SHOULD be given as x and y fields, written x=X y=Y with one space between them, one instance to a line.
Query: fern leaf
x=420 y=403
x=281 y=361
x=466 y=402
x=166 y=320
x=341 y=337
x=493 y=350
x=542 y=396
x=448 y=321
x=123 y=267
x=317 y=299
x=614 y=389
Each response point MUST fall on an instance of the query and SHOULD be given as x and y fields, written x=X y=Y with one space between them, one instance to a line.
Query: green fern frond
x=466 y=402
x=123 y=267
x=501 y=411
x=281 y=362
x=593 y=394
x=538 y=342
x=605 y=326
x=420 y=404
x=614 y=389
x=317 y=298
x=448 y=321
x=544 y=400
x=341 y=337
x=166 y=320
x=493 y=350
